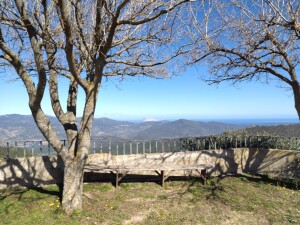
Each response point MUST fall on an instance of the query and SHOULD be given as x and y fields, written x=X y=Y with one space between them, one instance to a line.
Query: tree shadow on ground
x=293 y=184
x=18 y=193
x=214 y=188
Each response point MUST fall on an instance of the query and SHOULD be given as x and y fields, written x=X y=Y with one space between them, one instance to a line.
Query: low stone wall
x=39 y=171
x=30 y=172
x=273 y=162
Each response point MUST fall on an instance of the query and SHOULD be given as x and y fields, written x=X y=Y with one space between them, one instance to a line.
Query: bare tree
x=84 y=41
x=250 y=40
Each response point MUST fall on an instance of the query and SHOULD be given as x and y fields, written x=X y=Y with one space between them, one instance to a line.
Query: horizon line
x=195 y=118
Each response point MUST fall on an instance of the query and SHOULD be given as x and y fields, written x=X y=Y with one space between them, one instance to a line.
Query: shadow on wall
x=290 y=169
x=223 y=161
x=280 y=163
x=31 y=172
x=275 y=162
x=39 y=171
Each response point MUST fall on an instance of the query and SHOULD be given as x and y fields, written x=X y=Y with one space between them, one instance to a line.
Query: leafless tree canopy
x=250 y=39
x=84 y=41
x=130 y=36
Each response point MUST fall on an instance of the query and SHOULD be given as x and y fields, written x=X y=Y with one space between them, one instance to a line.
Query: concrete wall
x=39 y=171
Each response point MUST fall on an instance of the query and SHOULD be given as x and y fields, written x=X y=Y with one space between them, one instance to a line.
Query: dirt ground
x=230 y=200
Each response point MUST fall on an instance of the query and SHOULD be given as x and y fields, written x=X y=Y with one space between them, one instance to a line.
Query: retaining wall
x=39 y=171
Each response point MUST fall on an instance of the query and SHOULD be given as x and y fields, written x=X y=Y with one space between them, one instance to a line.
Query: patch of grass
x=227 y=200
x=102 y=187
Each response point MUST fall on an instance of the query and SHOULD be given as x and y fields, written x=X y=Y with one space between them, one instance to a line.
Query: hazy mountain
x=184 y=128
x=19 y=127
x=16 y=127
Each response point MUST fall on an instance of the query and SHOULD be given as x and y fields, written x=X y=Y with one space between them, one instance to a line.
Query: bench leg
x=203 y=175
x=162 y=177
x=118 y=177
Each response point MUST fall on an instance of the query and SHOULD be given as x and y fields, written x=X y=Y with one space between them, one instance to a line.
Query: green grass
x=228 y=200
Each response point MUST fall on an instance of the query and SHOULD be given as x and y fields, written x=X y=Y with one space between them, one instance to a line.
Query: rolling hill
x=16 y=127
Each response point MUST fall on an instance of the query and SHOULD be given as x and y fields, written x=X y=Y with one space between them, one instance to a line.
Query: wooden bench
x=163 y=172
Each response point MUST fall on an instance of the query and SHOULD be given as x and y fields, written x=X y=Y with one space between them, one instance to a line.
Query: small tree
x=250 y=40
x=83 y=41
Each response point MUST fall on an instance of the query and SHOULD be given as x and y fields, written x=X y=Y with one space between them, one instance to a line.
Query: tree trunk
x=296 y=91
x=74 y=162
x=73 y=184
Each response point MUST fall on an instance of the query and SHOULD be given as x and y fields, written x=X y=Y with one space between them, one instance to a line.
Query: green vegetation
x=291 y=130
x=229 y=200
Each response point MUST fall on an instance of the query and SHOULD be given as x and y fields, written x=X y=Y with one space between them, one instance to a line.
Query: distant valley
x=20 y=128
x=16 y=127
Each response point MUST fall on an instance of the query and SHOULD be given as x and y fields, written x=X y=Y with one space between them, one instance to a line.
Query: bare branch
x=257 y=40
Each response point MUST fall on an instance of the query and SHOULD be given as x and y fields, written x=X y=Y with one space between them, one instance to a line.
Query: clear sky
x=185 y=96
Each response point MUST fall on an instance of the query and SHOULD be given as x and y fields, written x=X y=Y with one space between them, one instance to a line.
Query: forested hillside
x=291 y=130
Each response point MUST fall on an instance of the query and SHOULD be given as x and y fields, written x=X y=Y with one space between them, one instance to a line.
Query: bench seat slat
x=152 y=168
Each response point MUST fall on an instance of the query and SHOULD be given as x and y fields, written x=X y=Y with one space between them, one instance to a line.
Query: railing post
x=130 y=147
x=7 y=150
x=144 y=147
x=94 y=147
x=41 y=149
x=163 y=146
x=250 y=142
x=101 y=146
x=175 y=147
x=109 y=146
x=24 y=149
x=16 y=150
x=137 y=147
x=124 y=148
x=117 y=147
x=32 y=149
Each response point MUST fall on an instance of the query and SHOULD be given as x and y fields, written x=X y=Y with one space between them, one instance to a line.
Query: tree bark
x=296 y=90
x=73 y=184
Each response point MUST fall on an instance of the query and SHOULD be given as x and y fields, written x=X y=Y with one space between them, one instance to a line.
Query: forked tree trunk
x=296 y=91
x=73 y=184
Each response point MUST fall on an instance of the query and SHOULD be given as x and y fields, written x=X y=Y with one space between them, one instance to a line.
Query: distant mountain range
x=20 y=128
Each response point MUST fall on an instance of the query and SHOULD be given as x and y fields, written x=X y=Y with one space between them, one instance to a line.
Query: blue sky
x=185 y=96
